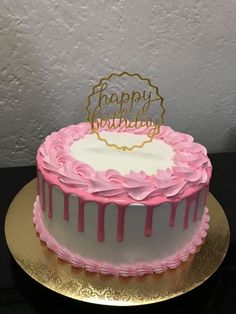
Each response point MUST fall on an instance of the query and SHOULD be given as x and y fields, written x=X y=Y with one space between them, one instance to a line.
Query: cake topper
x=125 y=100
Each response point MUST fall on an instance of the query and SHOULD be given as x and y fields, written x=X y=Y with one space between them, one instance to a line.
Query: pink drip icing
x=195 y=214
x=81 y=215
x=101 y=220
x=189 y=201
x=44 y=196
x=172 y=214
x=120 y=223
x=148 y=222
x=50 y=211
x=38 y=186
x=66 y=206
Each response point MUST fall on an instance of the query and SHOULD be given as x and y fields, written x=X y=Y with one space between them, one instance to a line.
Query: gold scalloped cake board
x=44 y=266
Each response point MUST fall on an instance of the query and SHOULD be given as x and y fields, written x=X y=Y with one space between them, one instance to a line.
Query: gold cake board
x=45 y=267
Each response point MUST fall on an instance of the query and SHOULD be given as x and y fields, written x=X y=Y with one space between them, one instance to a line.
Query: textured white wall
x=53 y=51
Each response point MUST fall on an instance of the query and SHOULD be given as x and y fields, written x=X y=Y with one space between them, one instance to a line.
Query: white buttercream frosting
x=153 y=156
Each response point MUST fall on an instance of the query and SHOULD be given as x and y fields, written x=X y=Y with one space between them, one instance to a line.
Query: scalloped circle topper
x=125 y=100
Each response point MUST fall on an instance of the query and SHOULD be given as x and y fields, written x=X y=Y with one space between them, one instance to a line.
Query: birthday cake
x=122 y=194
x=122 y=212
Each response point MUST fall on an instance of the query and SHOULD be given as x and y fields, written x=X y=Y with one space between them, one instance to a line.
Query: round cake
x=118 y=212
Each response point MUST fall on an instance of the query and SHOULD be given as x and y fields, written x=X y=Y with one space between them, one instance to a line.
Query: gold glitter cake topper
x=125 y=100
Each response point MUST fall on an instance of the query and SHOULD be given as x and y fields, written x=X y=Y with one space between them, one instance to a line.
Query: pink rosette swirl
x=168 y=184
x=76 y=174
x=107 y=184
x=55 y=151
x=139 y=185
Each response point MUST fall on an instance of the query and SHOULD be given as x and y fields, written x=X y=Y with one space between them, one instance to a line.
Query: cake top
x=168 y=167
x=157 y=155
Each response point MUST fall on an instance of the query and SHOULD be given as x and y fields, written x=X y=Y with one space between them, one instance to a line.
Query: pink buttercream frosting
x=192 y=167
x=138 y=269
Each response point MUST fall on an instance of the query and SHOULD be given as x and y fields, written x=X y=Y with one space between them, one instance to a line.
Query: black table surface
x=21 y=294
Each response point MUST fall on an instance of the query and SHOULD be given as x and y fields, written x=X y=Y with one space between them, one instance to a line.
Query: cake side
x=137 y=268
